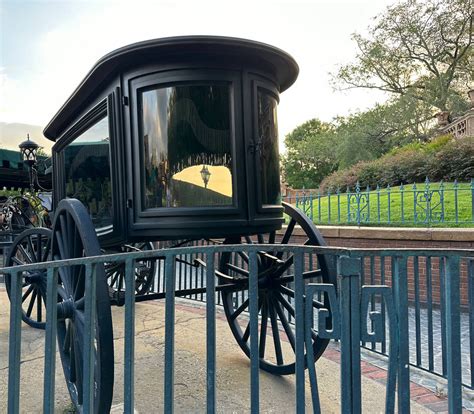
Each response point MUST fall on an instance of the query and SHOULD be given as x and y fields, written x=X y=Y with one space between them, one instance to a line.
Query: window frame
x=102 y=110
x=173 y=78
x=270 y=89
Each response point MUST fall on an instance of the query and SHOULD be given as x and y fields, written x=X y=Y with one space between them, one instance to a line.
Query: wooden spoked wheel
x=275 y=295
x=144 y=271
x=31 y=246
x=74 y=237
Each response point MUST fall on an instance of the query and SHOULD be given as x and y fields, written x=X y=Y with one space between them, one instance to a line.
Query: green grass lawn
x=396 y=207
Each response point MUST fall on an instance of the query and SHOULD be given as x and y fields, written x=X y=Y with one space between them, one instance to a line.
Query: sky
x=47 y=47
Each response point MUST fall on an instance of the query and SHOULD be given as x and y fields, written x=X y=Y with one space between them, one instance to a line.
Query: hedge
x=442 y=159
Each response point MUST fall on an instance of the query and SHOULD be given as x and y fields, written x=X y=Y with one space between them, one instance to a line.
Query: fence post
x=428 y=196
x=402 y=201
x=400 y=286
x=348 y=205
x=50 y=341
x=358 y=202
x=472 y=200
x=441 y=200
x=338 y=205
x=415 y=214
x=453 y=335
x=456 y=211
x=378 y=203
x=388 y=203
x=349 y=279
x=329 y=206
x=14 y=346
x=368 y=204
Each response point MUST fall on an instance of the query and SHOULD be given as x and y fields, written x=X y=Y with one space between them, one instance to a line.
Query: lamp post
x=28 y=151
x=205 y=175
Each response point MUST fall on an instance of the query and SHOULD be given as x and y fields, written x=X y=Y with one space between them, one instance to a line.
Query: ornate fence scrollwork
x=428 y=204
x=358 y=206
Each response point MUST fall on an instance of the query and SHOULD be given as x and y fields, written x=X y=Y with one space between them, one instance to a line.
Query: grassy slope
x=379 y=201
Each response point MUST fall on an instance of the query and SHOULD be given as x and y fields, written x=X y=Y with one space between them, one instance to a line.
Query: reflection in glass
x=269 y=159
x=87 y=172
x=185 y=130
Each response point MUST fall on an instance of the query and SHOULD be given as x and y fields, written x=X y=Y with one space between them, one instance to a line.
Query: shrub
x=441 y=159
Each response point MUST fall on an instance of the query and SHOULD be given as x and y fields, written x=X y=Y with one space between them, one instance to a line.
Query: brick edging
x=396 y=233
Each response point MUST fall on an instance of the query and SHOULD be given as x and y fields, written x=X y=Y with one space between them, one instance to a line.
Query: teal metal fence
x=428 y=204
x=351 y=312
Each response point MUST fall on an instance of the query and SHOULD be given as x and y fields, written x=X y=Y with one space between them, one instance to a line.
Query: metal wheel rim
x=72 y=227
x=31 y=246
x=271 y=303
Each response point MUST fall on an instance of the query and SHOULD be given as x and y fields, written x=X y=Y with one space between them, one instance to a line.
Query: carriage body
x=175 y=138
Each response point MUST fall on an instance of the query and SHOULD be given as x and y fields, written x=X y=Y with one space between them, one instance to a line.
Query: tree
x=419 y=50
x=310 y=154
x=367 y=135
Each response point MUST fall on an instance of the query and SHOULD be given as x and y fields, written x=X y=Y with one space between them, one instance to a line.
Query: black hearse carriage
x=169 y=139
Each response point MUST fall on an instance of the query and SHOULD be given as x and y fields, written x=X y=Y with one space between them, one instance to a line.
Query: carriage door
x=264 y=148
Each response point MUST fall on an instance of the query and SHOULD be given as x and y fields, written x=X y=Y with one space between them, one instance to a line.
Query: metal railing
x=353 y=312
x=429 y=204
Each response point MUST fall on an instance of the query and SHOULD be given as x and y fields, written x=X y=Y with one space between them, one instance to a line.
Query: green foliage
x=421 y=50
x=442 y=159
x=310 y=154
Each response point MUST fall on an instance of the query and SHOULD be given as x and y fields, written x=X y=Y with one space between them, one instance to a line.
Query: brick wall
x=430 y=271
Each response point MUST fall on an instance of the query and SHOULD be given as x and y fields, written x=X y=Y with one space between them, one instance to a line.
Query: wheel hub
x=35 y=277
x=66 y=309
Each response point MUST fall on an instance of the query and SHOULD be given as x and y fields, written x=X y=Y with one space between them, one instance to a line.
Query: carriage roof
x=273 y=60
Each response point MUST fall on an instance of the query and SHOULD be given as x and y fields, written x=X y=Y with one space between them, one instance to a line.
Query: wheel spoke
x=285 y=303
x=244 y=256
x=289 y=292
x=115 y=278
x=78 y=357
x=39 y=308
x=31 y=249
x=47 y=249
x=80 y=303
x=64 y=240
x=79 y=288
x=286 y=325
x=287 y=235
x=64 y=276
x=25 y=254
x=240 y=309
x=39 y=246
x=62 y=292
x=18 y=261
x=27 y=293
x=271 y=237
x=67 y=338
x=31 y=304
x=311 y=274
x=237 y=269
x=263 y=329
x=246 y=334
x=275 y=333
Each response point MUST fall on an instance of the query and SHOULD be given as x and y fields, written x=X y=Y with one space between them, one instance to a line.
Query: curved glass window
x=87 y=173
x=269 y=157
x=187 y=154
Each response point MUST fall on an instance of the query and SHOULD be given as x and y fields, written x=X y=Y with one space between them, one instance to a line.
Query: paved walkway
x=276 y=393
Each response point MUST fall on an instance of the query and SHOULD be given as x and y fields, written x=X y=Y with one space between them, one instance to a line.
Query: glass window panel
x=87 y=172
x=187 y=146
x=269 y=156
